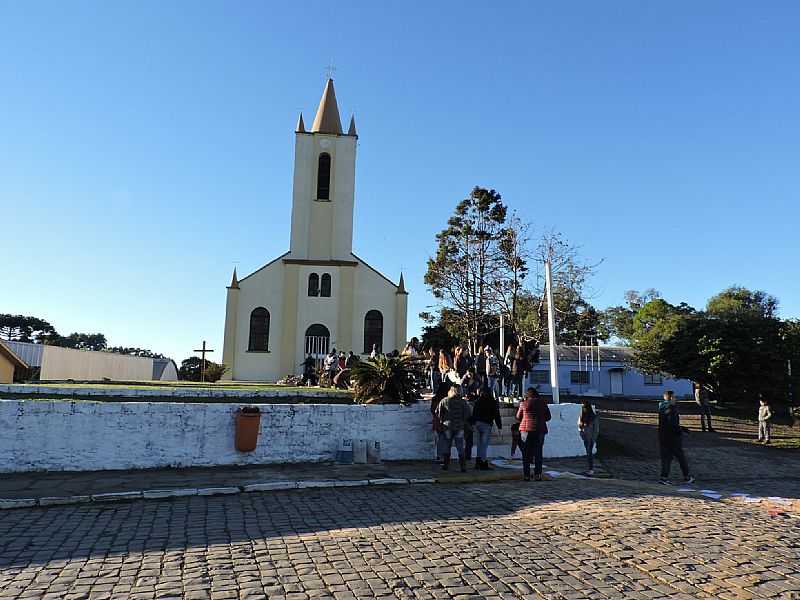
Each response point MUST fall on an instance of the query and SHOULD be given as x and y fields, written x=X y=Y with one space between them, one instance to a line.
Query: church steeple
x=234 y=281
x=352 y=129
x=301 y=126
x=327 y=119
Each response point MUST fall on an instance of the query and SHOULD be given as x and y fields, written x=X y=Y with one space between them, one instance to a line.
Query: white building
x=318 y=295
x=602 y=371
x=53 y=363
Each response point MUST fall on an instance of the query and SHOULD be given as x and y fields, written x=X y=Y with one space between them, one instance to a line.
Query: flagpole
x=551 y=330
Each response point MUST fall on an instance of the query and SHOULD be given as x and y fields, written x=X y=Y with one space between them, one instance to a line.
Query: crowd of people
x=502 y=375
x=465 y=406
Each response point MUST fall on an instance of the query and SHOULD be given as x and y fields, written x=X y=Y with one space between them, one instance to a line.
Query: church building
x=318 y=295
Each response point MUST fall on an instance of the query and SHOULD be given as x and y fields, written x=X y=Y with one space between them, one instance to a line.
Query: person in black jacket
x=670 y=438
x=485 y=412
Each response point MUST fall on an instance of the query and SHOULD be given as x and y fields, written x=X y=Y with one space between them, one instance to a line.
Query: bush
x=387 y=380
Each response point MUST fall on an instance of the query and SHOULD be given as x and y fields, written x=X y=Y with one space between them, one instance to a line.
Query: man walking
x=701 y=398
x=454 y=413
x=670 y=438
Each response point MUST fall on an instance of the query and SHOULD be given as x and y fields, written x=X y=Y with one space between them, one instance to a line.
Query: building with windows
x=318 y=295
x=602 y=371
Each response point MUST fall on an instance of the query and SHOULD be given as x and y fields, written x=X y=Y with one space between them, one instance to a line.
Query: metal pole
x=502 y=350
x=551 y=329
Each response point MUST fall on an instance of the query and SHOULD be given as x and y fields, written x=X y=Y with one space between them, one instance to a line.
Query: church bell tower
x=324 y=185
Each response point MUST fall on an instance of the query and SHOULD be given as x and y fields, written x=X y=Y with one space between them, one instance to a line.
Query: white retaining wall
x=60 y=435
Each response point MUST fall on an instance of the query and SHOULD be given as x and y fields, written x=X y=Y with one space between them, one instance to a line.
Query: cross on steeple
x=330 y=70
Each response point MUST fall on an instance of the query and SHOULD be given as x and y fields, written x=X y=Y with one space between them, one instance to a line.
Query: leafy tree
x=737 y=347
x=461 y=274
x=437 y=335
x=135 y=352
x=617 y=321
x=190 y=370
x=25 y=329
x=79 y=341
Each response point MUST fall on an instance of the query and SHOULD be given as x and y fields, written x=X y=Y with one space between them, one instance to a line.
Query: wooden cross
x=203 y=351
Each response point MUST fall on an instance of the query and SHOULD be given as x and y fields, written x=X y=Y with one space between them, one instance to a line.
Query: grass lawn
x=186 y=385
x=195 y=392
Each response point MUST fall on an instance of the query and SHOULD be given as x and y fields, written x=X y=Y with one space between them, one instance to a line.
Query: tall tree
x=617 y=321
x=461 y=274
x=25 y=329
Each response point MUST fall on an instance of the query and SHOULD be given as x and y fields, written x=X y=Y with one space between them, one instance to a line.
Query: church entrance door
x=318 y=340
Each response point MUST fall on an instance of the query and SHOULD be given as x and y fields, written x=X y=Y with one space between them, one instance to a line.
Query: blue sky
x=146 y=147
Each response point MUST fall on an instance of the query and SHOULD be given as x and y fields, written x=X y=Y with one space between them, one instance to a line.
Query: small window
x=540 y=377
x=325 y=288
x=324 y=177
x=259 y=330
x=373 y=331
x=313 y=285
x=653 y=379
x=579 y=377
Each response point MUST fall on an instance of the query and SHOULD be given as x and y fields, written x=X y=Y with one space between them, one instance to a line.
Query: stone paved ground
x=600 y=538
x=559 y=539
x=727 y=459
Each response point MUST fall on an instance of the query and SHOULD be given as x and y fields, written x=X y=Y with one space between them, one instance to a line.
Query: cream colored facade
x=9 y=362
x=320 y=246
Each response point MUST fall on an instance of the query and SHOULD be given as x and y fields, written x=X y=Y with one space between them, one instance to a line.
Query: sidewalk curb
x=160 y=494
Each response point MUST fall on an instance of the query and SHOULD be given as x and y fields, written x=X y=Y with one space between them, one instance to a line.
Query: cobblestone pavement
x=557 y=539
x=725 y=459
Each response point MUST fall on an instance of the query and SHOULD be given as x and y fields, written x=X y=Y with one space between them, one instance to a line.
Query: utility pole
x=501 y=353
x=551 y=330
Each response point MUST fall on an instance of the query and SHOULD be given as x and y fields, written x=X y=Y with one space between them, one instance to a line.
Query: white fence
x=61 y=435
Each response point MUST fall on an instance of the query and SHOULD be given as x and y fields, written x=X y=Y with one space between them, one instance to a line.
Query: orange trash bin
x=248 y=423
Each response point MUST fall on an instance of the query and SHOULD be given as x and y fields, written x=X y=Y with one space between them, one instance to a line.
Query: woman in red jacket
x=533 y=415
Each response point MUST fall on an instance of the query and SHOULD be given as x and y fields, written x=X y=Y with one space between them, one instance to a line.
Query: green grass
x=193 y=385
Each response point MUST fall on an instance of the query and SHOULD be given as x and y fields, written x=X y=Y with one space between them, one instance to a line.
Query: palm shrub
x=387 y=380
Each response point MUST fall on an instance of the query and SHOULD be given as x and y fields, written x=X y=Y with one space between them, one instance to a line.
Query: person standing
x=453 y=414
x=670 y=438
x=764 y=420
x=701 y=398
x=492 y=370
x=589 y=429
x=533 y=415
x=518 y=368
x=486 y=412
x=434 y=376
x=481 y=368
x=445 y=364
x=309 y=371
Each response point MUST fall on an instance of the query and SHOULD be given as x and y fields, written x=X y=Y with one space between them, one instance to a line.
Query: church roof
x=11 y=356
x=327 y=119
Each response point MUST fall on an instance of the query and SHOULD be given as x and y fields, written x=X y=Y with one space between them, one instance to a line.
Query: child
x=764 y=418
x=516 y=441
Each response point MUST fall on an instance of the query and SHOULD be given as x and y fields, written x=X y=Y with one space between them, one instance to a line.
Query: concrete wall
x=59 y=435
x=67 y=363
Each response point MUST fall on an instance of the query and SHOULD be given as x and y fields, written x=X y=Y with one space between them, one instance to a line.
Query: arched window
x=324 y=177
x=313 y=285
x=373 y=331
x=325 y=289
x=259 y=330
